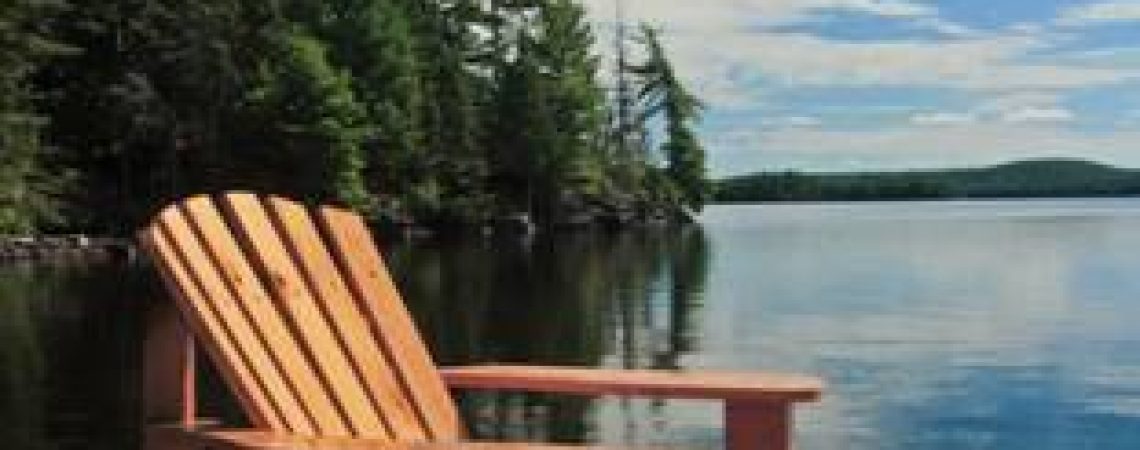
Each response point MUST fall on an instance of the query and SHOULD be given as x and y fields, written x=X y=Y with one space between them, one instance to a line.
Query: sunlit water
x=994 y=325
x=943 y=325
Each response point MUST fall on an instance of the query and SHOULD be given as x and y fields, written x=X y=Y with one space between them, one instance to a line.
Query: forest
x=430 y=112
x=1057 y=177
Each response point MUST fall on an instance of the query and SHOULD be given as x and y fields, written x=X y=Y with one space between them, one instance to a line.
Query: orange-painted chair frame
x=295 y=307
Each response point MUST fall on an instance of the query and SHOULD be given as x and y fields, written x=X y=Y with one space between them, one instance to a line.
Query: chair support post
x=757 y=425
x=189 y=371
x=169 y=383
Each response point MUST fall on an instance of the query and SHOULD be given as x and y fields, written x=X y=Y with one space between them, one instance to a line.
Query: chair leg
x=169 y=383
x=752 y=425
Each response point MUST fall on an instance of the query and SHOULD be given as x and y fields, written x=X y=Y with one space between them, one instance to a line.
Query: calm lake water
x=942 y=325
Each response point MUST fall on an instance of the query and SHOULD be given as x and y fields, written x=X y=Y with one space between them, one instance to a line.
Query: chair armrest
x=732 y=386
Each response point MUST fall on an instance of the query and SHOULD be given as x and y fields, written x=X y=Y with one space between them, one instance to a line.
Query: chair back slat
x=350 y=240
x=297 y=310
x=267 y=325
x=235 y=318
x=220 y=342
x=271 y=260
x=341 y=308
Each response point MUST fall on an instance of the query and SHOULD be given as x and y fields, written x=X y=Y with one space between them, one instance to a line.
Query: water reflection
x=939 y=326
x=622 y=300
x=976 y=325
x=70 y=336
x=68 y=357
x=21 y=367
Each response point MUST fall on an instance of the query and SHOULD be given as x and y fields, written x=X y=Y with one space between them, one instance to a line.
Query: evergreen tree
x=317 y=124
x=451 y=111
x=564 y=47
x=550 y=110
x=26 y=192
x=143 y=109
x=376 y=42
x=513 y=111
x=449 y=46
x=662 y=92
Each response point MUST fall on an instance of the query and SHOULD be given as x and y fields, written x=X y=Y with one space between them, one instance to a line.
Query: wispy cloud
x=1032 y=114
x=903 y=147
x=1027 y=107
x=1112 y=11
x=943 y=118
x=1017 y=108
x=792 y=121
x=1008 y=89
x=975 y=63
x=886 y=8
x=714 y=14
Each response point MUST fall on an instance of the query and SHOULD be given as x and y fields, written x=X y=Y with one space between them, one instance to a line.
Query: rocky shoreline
x=65 y=248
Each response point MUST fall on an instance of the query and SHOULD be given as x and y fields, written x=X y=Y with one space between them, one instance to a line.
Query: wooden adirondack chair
x=297 y=311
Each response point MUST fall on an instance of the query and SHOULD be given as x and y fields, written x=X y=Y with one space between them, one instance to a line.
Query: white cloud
x=1032 y=114
x=1110 y=57
x=715 y=14
x=1027 y=107
x=793 y=121
x=946 y=27
x=1110 y=11
x=1026 y=28
x=1018 y=107
x=804 y=59
x=885 y=8
x=911 y=147
x=712 y=39
x=729 y=53
x=942 y=118
x=1018 y=100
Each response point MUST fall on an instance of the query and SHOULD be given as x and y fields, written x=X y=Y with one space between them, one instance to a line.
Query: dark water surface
x=952 y=325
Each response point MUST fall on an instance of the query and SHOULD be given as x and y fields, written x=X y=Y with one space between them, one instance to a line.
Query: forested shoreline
x=1028 y=178
x=429 y=112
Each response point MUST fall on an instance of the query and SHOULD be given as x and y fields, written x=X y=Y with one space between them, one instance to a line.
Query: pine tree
x=26 y=193
x=564 y=47
x=449 y=45
x=662 y=92
x=375 y=41
x=550 y=109
x=143 y=109
x=437 y=110
x=319 y=125
x=521 y=130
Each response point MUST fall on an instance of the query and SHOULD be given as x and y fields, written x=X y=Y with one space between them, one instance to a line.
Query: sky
x=847 y=85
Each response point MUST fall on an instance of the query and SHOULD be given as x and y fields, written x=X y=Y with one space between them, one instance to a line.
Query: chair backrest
x=298 y=312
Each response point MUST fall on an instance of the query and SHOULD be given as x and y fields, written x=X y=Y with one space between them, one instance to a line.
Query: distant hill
x=1055 y=177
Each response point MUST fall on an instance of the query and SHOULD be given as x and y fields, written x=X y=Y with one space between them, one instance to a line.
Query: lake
x=938 y=325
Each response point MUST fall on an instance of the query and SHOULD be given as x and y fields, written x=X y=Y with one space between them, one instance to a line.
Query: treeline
x=1030 y=178
x=440 y=112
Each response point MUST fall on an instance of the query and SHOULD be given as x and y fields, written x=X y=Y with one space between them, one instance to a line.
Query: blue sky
x=895 y=84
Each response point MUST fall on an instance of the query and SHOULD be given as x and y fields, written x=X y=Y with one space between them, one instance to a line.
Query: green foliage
x=550 y=113
x=27 y=193
x=440 y=111
x=318 y=124
x=661 y=92
x=453 y=160
x=375 y=41
x=1032 y=178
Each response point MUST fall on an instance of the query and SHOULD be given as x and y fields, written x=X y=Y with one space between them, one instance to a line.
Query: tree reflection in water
x=615 y=300
x=69 y=340
x=70 y=336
